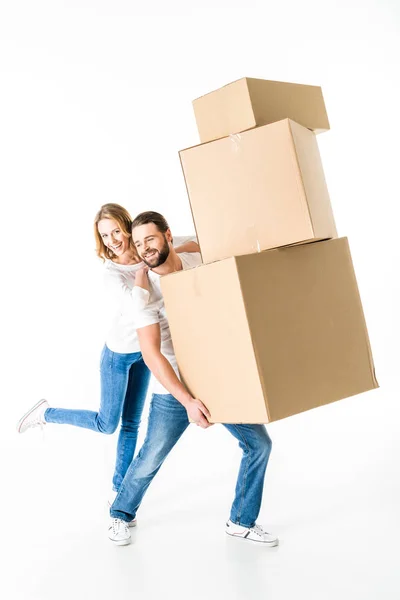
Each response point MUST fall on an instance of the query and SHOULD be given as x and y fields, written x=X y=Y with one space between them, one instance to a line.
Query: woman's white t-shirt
x=119 y=282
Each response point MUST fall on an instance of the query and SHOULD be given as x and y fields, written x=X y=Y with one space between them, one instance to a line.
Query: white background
x=95 y=102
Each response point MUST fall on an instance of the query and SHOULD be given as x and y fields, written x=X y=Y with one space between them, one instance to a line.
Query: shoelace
x=117 y=524
x=258 y=530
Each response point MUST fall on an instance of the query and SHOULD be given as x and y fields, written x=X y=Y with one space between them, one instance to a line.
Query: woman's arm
x=186 y=243
x=118 y=293
x=188 y=247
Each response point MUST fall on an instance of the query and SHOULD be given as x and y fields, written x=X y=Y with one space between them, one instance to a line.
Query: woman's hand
x=142 y=279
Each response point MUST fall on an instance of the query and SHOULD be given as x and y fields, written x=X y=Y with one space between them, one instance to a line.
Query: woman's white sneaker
x=251 y=534
x=34 y=417
x=119 y=533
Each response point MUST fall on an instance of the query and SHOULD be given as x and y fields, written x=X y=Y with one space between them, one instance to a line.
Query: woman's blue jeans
x=124 y=383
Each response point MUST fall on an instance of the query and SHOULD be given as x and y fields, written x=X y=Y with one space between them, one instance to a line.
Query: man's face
x=151 y=244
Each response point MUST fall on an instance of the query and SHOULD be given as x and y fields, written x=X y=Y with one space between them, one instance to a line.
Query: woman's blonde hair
x=122 y=217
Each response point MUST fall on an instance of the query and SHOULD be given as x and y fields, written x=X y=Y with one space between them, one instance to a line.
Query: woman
x=124 y=376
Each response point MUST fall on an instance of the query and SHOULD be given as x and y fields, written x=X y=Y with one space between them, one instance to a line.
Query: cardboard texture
x=265 y=336
x=261 y=189
x=249 y=102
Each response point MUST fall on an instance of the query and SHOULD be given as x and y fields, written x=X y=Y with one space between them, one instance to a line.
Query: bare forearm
x=188 y=247
x=165 y=374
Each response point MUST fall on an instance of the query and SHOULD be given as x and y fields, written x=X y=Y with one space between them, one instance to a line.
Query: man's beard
x=158 y=258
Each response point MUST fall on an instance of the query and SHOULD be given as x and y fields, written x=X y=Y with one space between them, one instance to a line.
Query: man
x=171 y=403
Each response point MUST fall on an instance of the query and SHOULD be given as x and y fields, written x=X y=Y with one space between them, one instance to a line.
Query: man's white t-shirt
x=150 y=309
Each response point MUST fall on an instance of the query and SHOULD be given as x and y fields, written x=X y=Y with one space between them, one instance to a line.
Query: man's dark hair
x=151 y=217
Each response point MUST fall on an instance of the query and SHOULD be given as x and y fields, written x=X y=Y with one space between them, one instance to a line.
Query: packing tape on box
x=236 y=139
x=251 y=235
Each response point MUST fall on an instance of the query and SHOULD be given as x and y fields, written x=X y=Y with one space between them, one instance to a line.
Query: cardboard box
x=248 y=103
x=261 y=189
x=264 y=336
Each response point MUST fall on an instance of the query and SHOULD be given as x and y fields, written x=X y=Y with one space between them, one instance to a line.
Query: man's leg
x=256 y=446
x=167 y=422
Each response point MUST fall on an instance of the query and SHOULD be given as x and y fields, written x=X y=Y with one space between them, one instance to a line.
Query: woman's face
x=112 y=237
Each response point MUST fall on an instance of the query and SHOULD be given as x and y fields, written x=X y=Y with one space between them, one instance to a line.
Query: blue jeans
x=167 y=422
x=124 y=382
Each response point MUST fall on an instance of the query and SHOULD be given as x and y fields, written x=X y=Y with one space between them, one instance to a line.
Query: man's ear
x=168 y=235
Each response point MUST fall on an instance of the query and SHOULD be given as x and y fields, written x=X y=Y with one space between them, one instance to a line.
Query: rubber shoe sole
x=269 y=544
x=121 y=542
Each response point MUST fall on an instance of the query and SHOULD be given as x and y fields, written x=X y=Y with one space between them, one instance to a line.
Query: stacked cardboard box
x=272 y=324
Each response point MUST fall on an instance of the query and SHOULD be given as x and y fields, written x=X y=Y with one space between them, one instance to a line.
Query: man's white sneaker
x=251 y=534
x=119 y=533
x=34 y=417
x=111 y=499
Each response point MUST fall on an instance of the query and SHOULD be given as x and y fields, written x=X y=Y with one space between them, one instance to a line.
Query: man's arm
x=150 y=345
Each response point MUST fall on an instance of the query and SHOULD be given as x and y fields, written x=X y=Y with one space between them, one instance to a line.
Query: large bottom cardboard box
x=264 y=336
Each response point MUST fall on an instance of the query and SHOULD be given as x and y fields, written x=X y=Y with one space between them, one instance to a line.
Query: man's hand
x=198 y=413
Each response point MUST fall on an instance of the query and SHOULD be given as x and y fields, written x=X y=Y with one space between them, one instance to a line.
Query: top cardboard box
x=249 y=103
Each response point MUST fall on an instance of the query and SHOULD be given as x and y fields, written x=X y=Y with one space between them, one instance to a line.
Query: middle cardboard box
x=257 y=190
x=264 y=336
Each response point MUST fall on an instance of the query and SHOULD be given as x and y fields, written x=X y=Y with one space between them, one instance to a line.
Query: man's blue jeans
x=167 y=422
x=124 y=382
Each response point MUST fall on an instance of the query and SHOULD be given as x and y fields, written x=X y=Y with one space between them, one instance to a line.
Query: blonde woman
x=124 y=375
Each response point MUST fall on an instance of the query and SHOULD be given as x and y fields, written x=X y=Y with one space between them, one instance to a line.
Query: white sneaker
x=111 y=499
x=251 y=534
x=119 y=533
x=34 y=417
